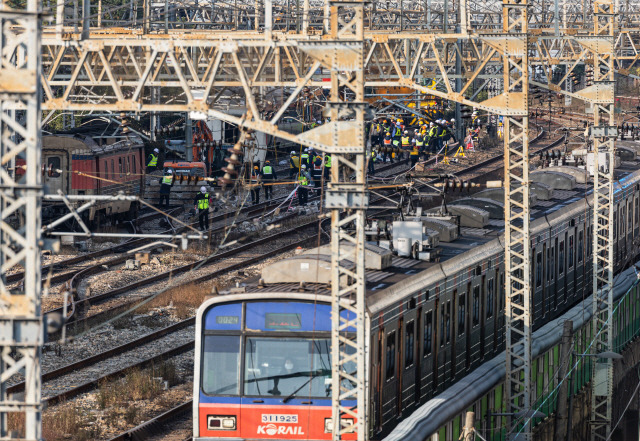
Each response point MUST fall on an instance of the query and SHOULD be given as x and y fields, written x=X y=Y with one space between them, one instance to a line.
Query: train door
x=418 y=357
x=408 y=373
x=400 y=366
x=427 y=364
x=390 y=374
x=435 y=358
x=636 y=215
x=580 y=265
x=570 y=278
x=561 y=270
x=477 y=319
x=555 y=287
x=459 y=348
x=54 y=162
x=489 y=321
x=377 y=358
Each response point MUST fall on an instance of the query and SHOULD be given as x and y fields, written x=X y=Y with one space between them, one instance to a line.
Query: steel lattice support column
x=517 y=242
x=604 y=133
x=20 y=314
x=348 y=199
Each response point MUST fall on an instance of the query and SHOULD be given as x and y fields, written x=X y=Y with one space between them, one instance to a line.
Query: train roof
x=474 y=245
x=89 y=145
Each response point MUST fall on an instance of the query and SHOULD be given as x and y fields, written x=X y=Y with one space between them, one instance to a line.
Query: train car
x=429 y=324
x=265 y=367
x=78 y=165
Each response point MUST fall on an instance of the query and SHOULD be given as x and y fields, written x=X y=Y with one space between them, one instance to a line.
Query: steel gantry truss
x=517 y=260
x=353 y=45
x=348 y=200
x=21 y=327
x=604 y=135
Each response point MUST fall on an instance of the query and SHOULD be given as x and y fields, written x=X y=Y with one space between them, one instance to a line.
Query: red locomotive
x=78 y=165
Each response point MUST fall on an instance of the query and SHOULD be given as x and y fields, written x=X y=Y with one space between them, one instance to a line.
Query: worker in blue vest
x=316 y=171
x=152 y=160
x=165 y=187
x=269 y=176
x=201 y=203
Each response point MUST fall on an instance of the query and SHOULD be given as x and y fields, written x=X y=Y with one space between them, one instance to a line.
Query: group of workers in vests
x=307 y=168
x=392 y=134
x=390 y=138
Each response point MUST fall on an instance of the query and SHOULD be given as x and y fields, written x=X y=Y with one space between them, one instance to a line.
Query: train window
x=220 y=364
x=461 y=314
x=391 y=356
x=476 y=305
x=448 y=322
x=571 y=250
x=490 y=298
x=133 y=164
x=538 y=269
x=106 y=170
x=128 y=165
x=409 y=343
x=580 y=245
x=426 y=295
x=120 y=166
x=54 y=164
x=549 y=263
x=629 y=216
x=561 y=258
x=428 y=332
x=270 y=372
x=113 y=170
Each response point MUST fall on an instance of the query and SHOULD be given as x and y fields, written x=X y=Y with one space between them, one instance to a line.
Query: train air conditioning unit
x=415 y=240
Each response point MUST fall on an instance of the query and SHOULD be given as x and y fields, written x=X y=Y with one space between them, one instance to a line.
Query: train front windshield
x=265 y=371
x=273 y=367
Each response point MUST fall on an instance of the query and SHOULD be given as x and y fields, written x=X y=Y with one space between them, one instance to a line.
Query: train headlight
x=328 y=424
x=221 y=422
x=229 y=423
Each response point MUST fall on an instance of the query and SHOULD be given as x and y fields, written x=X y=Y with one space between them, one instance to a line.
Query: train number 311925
x=276 y=418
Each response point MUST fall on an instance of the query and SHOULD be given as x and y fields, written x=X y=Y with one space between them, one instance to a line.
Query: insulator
x=50 y=170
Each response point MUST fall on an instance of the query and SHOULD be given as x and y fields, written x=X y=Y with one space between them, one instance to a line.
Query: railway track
x=76 y=368
x=156 y=425
x=250 y=211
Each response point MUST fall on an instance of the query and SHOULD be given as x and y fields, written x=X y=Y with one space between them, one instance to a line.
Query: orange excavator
x=202 y=142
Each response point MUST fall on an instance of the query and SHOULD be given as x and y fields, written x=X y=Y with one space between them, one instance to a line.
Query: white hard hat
x=292 y=152
x=156 y=150
x=304 y=166
x=306 y=150
x=453 y=120
x=203 y=189
x=406 y=132
x=474 y=113
x=169 y=170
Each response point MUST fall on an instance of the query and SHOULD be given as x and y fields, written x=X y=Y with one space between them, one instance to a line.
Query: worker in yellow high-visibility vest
x=152 y=161
x=201 y=203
